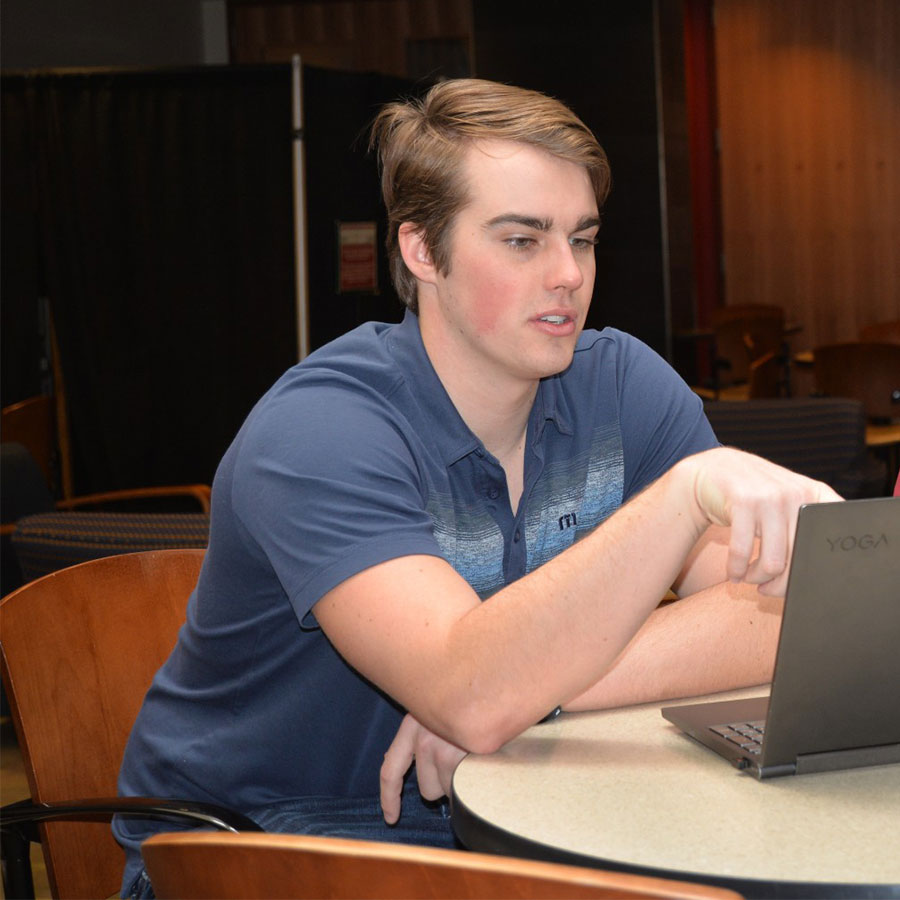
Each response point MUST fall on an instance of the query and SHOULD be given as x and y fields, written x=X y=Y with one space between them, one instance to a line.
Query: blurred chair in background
x=748 y=339
x=47 y=542
x=865 y=370
x=823 y=438
x=23 y=491
x=32 y=424
x=40 y=535
x=881 y=332
x=869 y=372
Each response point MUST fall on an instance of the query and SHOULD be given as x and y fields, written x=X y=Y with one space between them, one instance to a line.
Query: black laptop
x=835 y=697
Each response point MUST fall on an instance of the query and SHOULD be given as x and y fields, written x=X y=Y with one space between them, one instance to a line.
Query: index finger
x=397 y=760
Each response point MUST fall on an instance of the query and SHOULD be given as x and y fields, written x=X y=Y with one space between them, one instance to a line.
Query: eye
x=520 y=242
x=583 y=243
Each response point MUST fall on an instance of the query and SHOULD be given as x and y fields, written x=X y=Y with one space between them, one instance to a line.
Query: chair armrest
x=18 y=826
x=200 y=492
x=24 y=814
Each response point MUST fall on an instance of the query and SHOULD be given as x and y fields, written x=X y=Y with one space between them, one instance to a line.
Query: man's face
x=522 y=266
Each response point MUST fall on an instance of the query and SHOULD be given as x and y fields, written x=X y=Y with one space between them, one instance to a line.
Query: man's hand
x=435 y=758
x=758 y=500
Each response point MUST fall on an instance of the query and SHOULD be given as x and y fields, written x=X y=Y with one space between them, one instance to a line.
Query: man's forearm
x=721 y=638
x=480 y=673
x=550 y=634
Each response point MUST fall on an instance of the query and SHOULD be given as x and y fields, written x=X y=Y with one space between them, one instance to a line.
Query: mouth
x=555 y=320
x=558 y=324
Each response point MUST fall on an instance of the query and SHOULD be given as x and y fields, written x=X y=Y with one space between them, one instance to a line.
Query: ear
x=415 y=253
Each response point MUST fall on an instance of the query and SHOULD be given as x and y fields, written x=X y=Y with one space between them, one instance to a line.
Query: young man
x=467 y=519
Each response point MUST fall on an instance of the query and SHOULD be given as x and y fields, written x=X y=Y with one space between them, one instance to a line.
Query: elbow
x=484 y=742
x=479 y=730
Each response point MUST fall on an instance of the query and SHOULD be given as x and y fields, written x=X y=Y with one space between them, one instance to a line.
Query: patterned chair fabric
x=45 y=542
x=821 y=437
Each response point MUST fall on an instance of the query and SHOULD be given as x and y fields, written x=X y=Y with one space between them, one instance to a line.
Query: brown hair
x=422 y=142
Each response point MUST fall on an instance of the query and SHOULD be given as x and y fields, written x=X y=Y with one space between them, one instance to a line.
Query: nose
x=565 y=270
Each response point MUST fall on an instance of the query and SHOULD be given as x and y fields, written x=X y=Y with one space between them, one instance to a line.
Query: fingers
x=741 y=545
x=760 y=502
x=397 y=761
x=427 y=773
x=436 y=760
x=769 y=569
x=772 y=568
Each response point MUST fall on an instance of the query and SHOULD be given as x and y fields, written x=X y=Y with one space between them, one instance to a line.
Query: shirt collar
x=428 y=392
x=551 y=405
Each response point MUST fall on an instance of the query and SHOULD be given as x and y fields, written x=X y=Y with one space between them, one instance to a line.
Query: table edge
x=478 y=834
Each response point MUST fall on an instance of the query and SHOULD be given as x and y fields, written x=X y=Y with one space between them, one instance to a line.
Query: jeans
x=421 y=822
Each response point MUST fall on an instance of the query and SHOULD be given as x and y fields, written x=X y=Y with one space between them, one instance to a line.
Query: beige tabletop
x=627 y=789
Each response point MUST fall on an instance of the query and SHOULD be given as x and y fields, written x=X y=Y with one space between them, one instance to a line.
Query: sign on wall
x=357 y=257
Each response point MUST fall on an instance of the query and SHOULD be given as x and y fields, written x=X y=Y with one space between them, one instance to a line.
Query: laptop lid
x=834 y=697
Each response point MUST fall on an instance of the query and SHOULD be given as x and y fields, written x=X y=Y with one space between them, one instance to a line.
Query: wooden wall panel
x=809 y=115
x=355 y=35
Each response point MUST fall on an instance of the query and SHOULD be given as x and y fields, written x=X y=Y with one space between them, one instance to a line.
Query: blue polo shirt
x=357 y=456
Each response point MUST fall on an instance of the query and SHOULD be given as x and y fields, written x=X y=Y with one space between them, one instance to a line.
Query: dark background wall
x=600 y=57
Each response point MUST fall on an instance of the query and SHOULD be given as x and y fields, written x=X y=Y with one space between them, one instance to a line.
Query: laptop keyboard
x=747 y=735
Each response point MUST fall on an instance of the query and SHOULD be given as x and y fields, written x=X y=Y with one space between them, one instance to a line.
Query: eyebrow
x=540 y=224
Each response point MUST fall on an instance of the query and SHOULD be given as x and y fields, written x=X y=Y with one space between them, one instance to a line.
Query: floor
x=14 y=786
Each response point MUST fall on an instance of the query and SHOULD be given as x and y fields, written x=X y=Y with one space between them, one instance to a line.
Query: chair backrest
x=32 y=423
x=23 y=491
x=866 y=371
x=744 y=334
x=746 y=311
x=821 y=437
x=764 y=377
x=79 y=649
x=881 y=332
x=189 y=865
x=46 y=542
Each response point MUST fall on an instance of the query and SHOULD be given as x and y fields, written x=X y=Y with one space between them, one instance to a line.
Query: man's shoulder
x=361 y=389
x=609 y=339
x=358 y=364
x=612 y=351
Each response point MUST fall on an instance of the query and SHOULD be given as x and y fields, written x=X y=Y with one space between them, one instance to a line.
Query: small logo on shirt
x=569 y=520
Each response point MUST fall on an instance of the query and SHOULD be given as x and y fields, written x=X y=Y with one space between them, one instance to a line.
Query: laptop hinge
x=774 y=771
x=881 y=755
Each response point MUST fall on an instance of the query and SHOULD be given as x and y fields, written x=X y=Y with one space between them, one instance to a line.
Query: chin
x=554 y=364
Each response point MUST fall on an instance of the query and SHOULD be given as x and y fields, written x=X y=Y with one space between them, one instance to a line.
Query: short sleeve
x=326 y=484
x=661 y=418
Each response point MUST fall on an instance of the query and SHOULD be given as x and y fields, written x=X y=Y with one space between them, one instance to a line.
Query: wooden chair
x=31 y=423
x=46 y=542
x=881 y=332
x=764 y=381
x=821 y=437
x=78 y=650
x=190 y=866
x=40 y=535
x=743 y=335
x=865 y=371
x=21 y=470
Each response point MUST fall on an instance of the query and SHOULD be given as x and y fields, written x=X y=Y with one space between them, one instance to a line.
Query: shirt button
x=517 y=536
x=494 y=493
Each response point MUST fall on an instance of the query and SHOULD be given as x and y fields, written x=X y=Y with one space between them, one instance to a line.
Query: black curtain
x=154 y=211
x=23 y=354
x=343 y=186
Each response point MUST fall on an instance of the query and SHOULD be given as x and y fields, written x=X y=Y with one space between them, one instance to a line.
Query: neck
x=495 y=409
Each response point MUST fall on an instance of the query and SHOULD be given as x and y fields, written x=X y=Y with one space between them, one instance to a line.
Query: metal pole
x=301 y=275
